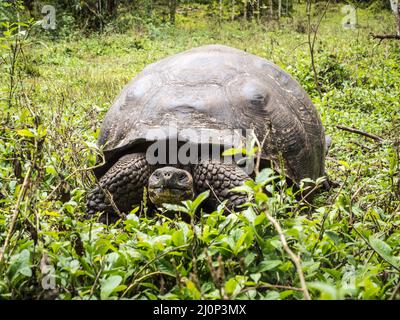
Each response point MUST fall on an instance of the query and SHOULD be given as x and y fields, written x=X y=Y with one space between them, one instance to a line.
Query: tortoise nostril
x=170 y=177
x=167 y=175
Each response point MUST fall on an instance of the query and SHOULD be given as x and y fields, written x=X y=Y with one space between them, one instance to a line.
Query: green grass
x=348 y=239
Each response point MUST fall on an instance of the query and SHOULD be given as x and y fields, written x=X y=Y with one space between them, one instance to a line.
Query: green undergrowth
x=347 y=239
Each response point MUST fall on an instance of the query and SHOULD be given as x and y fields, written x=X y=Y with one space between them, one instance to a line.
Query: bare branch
x=16 y=210
x=311 y=42
x=365 y=134
x=385 y=36
x=293 y=257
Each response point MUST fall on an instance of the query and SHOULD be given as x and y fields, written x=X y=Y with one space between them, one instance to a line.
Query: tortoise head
x=170 y=185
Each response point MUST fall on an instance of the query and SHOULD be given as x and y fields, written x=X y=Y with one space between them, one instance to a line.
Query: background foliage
x=56 y=87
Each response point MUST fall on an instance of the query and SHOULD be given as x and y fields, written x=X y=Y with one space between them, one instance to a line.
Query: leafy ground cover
x=347 y=241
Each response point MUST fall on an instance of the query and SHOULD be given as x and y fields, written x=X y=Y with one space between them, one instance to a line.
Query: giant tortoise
x=156 y=133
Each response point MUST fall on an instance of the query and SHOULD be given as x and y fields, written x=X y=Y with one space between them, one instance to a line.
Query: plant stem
x=293 y=257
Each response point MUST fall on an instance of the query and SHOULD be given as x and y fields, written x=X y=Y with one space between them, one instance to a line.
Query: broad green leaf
x=243 y=188
x=249 y=258
x=51 y=170
x=333 y=236
x=199 y=199
x=334 y=273
x=328 y=292
x=344 y=163
x=239 y=243
x=384 y=250
x=20 y=264
x=195 y=294
x=25 y=133
x=272 y=295
x=165 y=266
x=267 y=265
x=260 y=197
x=285 y=294
x=178 y=238
x=264 y=176
x=255 y=276
x=230 y=286
x=250 y=214
x=109 y=285
x=259 y=219
x=175 y=207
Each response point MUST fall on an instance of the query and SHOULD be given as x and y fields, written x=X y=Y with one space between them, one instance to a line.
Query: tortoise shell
x=218 y=88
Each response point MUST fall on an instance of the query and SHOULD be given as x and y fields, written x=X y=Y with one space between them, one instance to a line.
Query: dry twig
x=16 y=211
x=382 y=37
x=365 y=134
x=311 y=42
x=393 y=295
x=135 y=279
x=293 y=257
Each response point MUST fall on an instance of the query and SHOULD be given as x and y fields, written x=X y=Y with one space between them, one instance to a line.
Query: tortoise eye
x=182 y=176
x=156 y=174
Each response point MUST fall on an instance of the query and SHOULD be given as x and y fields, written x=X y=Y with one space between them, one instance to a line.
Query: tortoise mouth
x=175 y=195
x=169 y=189
x=170 y=185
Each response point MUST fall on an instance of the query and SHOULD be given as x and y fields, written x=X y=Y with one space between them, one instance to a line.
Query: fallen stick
x=385 y=36
x=361 y=145
x=365 y=134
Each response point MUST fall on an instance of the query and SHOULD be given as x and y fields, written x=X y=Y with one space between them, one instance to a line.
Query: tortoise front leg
x=220 y=177
x=124 y=181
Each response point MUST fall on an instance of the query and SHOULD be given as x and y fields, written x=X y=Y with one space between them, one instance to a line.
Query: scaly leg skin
x=220 y=177
x=125 y=181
